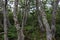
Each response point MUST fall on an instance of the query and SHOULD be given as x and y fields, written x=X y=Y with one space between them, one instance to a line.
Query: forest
x=29 y=19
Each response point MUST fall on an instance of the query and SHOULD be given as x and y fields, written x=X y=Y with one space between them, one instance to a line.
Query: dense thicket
x=29 y=20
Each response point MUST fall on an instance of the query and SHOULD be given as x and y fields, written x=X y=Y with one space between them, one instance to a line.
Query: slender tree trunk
x=26 y=10
x=22 y=26
x=53 y=23
x=39 y=19
x=5 y=20
x=17 y=25
x=39 y=16
x=25 y=15
x=45 y=22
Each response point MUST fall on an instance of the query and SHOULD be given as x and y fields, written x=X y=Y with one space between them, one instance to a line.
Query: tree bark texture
x=17 y=25
x=5 y=20
x=53 y=23
x=45 y=22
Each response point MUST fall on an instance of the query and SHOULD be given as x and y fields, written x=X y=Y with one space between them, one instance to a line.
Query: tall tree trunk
x=25 y=15
x=39 y=16
x=17 y=25
x=39 y=19
x=53 y=23
x=26 y=10
x=5 y=20
x=45 y=22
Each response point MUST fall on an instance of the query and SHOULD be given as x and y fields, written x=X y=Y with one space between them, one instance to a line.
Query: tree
x=39 y=18
x=26 y=10
x=17 y=25
x=45 y=21
x=53 y=23
x=25 y=14
x=5 y=20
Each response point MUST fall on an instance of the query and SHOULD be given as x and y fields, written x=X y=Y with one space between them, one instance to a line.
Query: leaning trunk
x=45 y=22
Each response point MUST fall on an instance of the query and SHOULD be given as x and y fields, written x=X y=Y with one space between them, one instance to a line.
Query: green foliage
x=10 y=15
x=12 y=32
x=31 y=29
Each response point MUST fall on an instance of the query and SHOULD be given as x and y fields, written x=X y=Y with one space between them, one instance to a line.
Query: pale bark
x=5 y=20
x=17 y=25
x=53 y=23
x=45 y=22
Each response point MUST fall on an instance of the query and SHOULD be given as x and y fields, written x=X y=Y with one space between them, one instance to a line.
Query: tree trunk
x=25 y=15
x=45 y=22
x=17 y=25
x=53 y=23
x=5 y=20
x=26 y=10
x=39 y=19
x=39 y=16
